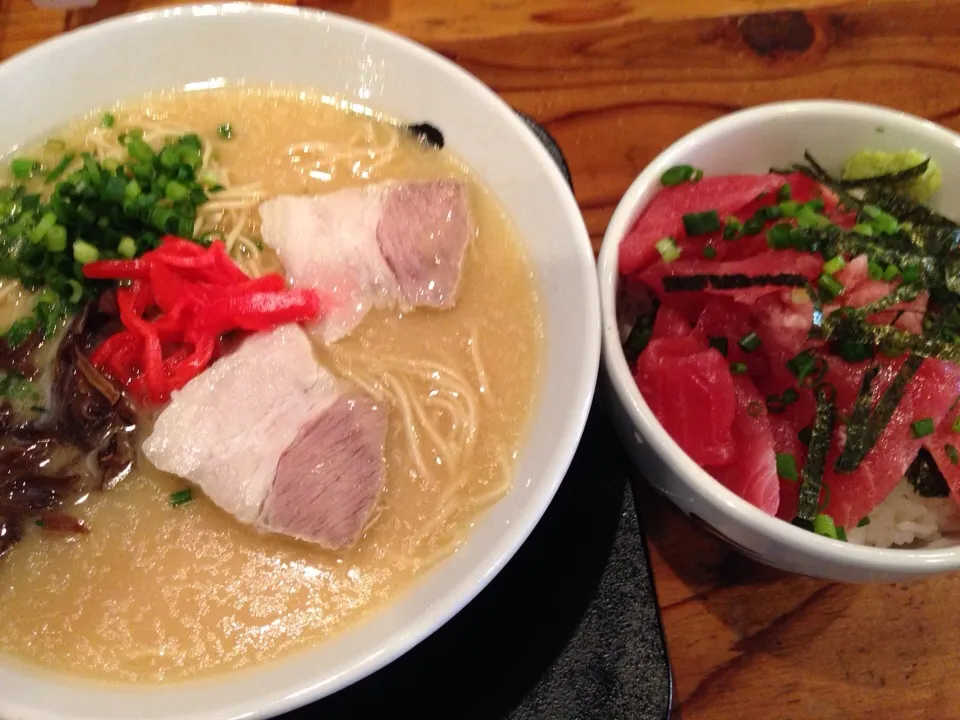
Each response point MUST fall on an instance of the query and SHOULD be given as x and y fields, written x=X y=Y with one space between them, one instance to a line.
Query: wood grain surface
x=616 y=81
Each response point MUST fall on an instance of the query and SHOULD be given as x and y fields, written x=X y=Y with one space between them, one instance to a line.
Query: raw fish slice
x=929 y=394
x=690 y=391
x=663 y=216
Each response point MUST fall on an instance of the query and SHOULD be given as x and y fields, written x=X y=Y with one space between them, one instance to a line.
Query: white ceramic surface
x=752 y=141
x=209 y=44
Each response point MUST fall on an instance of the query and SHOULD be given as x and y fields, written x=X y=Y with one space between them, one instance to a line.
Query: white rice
x=905 y=518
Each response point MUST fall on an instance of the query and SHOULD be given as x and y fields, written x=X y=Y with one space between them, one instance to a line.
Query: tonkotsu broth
x=155 y=592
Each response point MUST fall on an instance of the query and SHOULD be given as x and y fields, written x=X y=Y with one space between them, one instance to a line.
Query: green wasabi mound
x=870 y=163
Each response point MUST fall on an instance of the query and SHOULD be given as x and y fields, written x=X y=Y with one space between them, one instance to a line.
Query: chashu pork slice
x=277 y=441
x=383 y=245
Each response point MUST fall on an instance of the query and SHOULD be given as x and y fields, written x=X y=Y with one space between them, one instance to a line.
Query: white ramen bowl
x=206 y=45
x=753 y=141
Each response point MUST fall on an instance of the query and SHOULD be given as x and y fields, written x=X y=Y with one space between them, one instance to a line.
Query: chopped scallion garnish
x=84 y=252
x=864 y=521
x=676 y=175
x=922 y=428
x=697 y=175
x=701 y=223
x=181 y=497
x=738 y=368
x=830 y=285
x=863 y=229
x=753 y=226
x=668 y=249
x=784 y=192
x=24 y=168
x=802 y=364
x=778 y=237
x=709 y=252
x=956 y=424
x=823 y=525
x=787 y=467
x=910 y=274
x=108 y=120
x=225 y=131
x=834 y=265
x=952 y=453
x=891 y=273
x=841 y=534
x=127 y=247
x=790 y=396
x=749 y=342
x=874 y=271
x=731 y=228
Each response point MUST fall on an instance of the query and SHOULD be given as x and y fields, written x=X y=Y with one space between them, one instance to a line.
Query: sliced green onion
x=749 y=342
x=864 y=521
x=753 y=226
x=830 y=285
x=790 y=396
x=709 y=252
x=667 y=247
x=910 y=273
x=701 y=223
x=175 y=191
x=834 y=265
x=56 y=239
x=676 y=175
x=769 y=212
x=697 y=175
x=952 y=453
x=823 y=525
x=789 y=208
x=874 y=271
x=956 y=424
x=816 y=205
x=60 y=167
x=778 y=237
x=40 y=231
x=225 y=131
x=807 y=218
x=891 y=273
x=841 y=534
x=738 y=368
x=922 y=428
x=719 y=343
x=802 y=364
x=108 y=120
x=731 y=228
x=784 y=192
x=787 y=467
x=84 y=252
x=863 y=229
x=127 y=247
x=24 y=168
x=181 y=497
x=77 y=290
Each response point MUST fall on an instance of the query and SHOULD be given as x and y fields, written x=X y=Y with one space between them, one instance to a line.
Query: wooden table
x=616 y=81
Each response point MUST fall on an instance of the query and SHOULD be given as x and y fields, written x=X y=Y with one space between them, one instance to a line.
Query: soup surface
x=155 y=592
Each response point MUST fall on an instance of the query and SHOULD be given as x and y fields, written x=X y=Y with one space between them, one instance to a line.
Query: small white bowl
x=262 y=44
x=753 y=141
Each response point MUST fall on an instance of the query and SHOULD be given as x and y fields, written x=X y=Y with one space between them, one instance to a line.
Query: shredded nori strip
x=698 y=283
x=860 y=441
x=926 y=478
x=852 y=453
x=893 y=342
x=905 y=209
x=811 y=477
x=639 y=337
x=894 y=178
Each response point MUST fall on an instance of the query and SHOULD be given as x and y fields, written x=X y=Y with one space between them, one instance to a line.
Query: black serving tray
x=569 y=630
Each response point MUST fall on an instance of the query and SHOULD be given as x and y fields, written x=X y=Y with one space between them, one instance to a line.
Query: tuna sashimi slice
x=753 y=473
x=930 y=394
x=663 y=216
x=937 y=445
x=690 y=390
